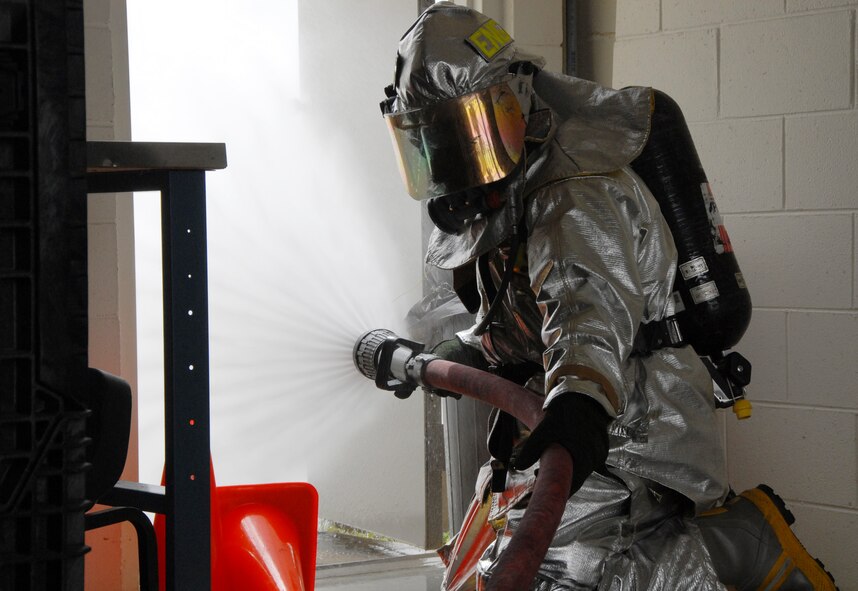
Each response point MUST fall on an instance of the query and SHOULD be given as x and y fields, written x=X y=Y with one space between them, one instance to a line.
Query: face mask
x=452 y=213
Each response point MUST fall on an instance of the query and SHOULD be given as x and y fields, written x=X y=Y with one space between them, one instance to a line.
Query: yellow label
x=489 y=39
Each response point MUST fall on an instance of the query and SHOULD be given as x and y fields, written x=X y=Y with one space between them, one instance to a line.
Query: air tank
x=713 y=306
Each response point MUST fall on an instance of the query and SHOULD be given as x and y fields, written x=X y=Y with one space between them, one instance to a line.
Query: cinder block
x=765 y=346
x=495 y=9
x=96 y=12
x=99 y=75
x=829 y=534
x=743 y=162
x=105 y=330
x=553 y=55
x=638 y=17
x=801 y=5
x=100 y=132
x=787 y=65
x=101 y=209
x=804 y=454
x=820 y=161
x=680 y=14
x=538 y=22
x=795 y=261
x=682 y=64
x=103 y=294
x=822 y=359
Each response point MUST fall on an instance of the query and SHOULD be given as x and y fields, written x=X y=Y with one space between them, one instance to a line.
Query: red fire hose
x=518 y=564
x=398 y=365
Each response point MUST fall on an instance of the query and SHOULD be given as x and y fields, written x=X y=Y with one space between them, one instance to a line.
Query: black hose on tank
x=717 y=305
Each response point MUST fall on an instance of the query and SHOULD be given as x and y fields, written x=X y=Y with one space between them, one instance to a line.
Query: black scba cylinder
x=715 y=306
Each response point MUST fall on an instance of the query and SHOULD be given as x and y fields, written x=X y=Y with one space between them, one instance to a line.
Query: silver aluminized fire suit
x=600 y=262
x=506 y=155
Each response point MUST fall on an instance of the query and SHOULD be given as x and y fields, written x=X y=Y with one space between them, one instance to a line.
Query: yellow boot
x=753 y=547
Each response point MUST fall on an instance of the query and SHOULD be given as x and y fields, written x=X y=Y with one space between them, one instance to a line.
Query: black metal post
x=177 y=171
x=186 y=381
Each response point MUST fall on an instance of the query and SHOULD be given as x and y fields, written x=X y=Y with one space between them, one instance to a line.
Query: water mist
x=311 y=240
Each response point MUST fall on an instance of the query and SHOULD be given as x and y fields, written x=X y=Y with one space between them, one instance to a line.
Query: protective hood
x=576 y=128
x=458 y=107
x=452 y=51
x=599 y=129
x=453 y=65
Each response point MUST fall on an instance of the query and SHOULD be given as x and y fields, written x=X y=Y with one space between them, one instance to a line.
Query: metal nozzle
x=367 y=349
x=392 y=362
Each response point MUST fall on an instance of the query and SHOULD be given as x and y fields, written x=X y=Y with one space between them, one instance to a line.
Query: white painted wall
x=769 y=90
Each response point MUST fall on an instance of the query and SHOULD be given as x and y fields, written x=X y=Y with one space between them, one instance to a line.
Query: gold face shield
x=459 y=143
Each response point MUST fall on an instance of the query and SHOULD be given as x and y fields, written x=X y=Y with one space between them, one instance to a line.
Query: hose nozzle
x=393 y=363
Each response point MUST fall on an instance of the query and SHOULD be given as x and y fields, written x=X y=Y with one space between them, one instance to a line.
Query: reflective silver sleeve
x=601 y=262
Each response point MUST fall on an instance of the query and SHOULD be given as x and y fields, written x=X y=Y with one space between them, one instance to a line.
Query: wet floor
x=363 y=564
x=336 y=548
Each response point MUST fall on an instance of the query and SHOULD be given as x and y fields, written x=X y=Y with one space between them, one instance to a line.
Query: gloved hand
x=456 y=351
x=579 y=424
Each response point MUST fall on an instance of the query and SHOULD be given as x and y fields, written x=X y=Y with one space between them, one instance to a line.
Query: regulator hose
x=519 y=562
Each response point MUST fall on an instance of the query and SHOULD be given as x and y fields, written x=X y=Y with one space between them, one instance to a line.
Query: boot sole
x=780 y=518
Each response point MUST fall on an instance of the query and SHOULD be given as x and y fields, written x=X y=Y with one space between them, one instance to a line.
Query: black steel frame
x=185 y=498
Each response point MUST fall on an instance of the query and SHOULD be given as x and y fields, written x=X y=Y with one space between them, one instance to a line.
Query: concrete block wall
x=769 y=90
x=537 y=26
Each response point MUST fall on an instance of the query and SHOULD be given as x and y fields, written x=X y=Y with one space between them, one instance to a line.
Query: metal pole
x=186 y=376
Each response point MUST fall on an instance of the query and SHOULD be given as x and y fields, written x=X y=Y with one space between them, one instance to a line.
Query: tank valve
x=393 y=363
x=730 y=375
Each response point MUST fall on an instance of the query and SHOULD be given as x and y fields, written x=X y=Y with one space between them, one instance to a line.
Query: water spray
x=399 y=365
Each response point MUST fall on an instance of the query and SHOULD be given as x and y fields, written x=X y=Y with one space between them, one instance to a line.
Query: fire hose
x=400 y=365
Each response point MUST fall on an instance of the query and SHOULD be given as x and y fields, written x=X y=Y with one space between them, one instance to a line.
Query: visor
x=458 y=143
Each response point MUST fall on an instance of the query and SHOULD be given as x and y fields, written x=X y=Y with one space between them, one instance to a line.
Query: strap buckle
x=658 y=335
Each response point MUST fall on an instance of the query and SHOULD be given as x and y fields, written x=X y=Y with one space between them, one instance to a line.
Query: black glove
x=456 y=351
x=579 y=424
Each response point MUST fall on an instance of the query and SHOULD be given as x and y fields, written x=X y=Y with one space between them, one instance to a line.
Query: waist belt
x=658 y=335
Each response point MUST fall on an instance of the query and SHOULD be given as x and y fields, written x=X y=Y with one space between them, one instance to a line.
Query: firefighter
x=527 y=178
